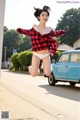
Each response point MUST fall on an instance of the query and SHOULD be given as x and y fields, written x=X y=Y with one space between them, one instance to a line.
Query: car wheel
x=72 y=83
x=51 y=80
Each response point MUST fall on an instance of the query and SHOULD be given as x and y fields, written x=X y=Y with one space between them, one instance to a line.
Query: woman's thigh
x=35 y=63
x=47 y=65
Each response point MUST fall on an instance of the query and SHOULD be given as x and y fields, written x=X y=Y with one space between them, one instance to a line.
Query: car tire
x=51 y=80
x=72 y=83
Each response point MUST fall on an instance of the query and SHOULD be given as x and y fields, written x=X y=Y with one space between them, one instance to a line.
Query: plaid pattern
x=42 y=42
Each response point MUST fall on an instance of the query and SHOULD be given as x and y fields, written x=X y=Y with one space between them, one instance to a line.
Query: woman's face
x=43 y=17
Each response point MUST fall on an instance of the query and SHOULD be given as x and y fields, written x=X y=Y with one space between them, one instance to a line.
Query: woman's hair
x=38 y=11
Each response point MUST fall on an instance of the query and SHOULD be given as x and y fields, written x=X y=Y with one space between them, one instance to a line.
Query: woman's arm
x=57 y=33
x=24 y=31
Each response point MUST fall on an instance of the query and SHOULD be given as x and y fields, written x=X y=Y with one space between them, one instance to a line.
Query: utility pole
x=2 y=9
x=5 y=57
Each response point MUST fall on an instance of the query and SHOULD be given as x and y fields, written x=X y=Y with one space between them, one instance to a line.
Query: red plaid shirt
x=42 y=42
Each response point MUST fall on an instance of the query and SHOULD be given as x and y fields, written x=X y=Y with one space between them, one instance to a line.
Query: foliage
x=70 y=22
x=14 y=59
x=55 y=56
x=5 y=29
x=11 y=40
x=25 y=59
x=25 y=45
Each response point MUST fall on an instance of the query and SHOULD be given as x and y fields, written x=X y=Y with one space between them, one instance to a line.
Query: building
x=76 y=43
x=65 y=47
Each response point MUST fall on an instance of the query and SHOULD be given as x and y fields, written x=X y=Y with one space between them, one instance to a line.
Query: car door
x=74 y=67
x=60 y=69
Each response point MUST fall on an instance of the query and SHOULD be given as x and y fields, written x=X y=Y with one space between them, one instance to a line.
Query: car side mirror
x=53 y=61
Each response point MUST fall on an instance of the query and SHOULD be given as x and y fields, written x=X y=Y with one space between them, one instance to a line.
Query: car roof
x=71 y=51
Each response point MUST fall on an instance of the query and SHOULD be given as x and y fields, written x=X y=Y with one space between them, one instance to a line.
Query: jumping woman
x=43 y=43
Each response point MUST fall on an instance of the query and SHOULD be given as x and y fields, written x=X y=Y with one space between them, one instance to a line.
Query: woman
x=43 y=43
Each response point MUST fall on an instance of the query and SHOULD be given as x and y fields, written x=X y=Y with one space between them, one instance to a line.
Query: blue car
x=66 y=68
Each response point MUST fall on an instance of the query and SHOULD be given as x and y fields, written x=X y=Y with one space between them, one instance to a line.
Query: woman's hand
x=63 y=32
x=18 y=30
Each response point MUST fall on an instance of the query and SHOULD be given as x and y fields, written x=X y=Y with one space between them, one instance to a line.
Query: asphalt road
x=31 y=98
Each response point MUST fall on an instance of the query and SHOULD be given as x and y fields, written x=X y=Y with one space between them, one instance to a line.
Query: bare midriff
x=43 y=52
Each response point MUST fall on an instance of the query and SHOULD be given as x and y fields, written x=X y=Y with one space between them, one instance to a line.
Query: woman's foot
x=30 y=70
x=45 y=75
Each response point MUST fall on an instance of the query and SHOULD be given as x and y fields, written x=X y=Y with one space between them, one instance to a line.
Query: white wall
x=2 y=8
x=76 y=44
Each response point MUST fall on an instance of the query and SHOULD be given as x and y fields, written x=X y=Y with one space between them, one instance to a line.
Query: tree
x=5 y=29
x=11 y=40
x=25 y=45
x=70 y=22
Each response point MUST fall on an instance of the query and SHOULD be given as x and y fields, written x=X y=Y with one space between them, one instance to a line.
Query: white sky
x=20 y=13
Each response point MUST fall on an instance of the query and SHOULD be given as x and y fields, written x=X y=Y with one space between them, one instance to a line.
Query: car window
x=75 y=57
x=63 y=58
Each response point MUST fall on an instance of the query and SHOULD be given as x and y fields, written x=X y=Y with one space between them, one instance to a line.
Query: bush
x=29 y=58
x=56 y=55
x=24 y=59
x=14 y=59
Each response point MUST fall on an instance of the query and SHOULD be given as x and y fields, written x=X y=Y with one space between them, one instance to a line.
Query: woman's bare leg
x=47 y=65
x=34 y=68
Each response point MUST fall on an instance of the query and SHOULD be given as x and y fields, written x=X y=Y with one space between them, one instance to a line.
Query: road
x=31 y=98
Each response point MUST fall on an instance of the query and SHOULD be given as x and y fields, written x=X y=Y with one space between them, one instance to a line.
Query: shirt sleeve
x=24 y=31
x=57 y=33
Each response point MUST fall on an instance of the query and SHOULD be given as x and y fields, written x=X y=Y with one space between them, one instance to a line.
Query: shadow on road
x=63 y=90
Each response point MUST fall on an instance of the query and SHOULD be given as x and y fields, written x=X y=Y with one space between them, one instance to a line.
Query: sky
x=20 y=13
